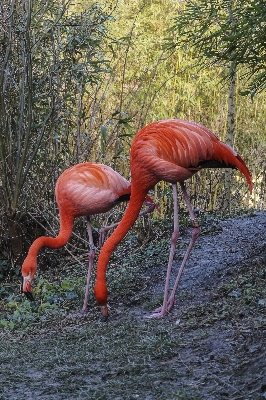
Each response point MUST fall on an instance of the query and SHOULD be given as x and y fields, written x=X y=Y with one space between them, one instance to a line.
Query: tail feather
x=225 y=154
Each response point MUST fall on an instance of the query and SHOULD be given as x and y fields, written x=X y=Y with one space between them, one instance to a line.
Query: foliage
x=46 y=64
x=230 y=33
x=50 y=60
x=53 y=299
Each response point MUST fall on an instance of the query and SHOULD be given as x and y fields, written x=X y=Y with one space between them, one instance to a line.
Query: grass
x=123 y=359
x=211 y=346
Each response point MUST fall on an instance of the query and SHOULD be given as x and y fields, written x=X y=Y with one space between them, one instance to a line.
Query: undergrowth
x=60 y=291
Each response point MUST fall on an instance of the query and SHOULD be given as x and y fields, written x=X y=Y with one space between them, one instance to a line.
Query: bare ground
x=211 y=345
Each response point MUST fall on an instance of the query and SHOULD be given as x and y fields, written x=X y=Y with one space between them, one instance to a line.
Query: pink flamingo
x=82 y=190
x=173 y=151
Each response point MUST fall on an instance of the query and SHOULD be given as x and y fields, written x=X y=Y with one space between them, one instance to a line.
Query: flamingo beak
x=27 y=288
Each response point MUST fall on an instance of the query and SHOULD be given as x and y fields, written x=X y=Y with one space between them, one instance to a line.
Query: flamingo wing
x=90 y=188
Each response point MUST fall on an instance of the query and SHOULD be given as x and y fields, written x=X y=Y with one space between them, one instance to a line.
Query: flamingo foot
x=160 y=314
x=162 y=311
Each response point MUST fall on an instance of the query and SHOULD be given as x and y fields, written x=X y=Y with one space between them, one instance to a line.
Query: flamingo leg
x=162 y=311
x=150 y=207
x=195 y=234
x=168 y=303
x=90 y=262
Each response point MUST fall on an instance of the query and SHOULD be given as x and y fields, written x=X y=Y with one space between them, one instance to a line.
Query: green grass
x=121 y=359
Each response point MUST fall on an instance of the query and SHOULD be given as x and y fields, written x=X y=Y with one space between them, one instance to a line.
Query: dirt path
x=227 y=244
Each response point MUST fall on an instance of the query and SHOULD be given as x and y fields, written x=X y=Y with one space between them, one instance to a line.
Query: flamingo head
x=100 y=292
x=28 y=270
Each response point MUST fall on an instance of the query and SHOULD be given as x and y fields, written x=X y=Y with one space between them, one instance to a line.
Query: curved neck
x=66 y=226
x=130 y=216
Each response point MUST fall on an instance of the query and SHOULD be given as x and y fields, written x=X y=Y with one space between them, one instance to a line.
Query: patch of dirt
x=210 y=346
x=220 y=247
x=231 y=360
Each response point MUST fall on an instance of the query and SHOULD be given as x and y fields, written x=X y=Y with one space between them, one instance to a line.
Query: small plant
x=57 y=298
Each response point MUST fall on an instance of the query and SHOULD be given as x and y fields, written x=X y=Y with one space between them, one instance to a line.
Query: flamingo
x=82 y=190
x=171 y=150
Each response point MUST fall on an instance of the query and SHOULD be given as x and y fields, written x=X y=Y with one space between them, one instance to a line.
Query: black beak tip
x=104 y=318
x=29 y=296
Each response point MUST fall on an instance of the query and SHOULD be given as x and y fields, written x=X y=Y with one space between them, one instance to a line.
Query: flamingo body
x=89 y=189
x=82 y=190
x=173 y=151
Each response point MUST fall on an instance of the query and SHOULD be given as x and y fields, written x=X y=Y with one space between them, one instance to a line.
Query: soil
x=210 y=346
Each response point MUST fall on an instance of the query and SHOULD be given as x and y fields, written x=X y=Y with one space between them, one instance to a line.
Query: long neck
x=29 y=265
x=130 y=216
x=66 y=226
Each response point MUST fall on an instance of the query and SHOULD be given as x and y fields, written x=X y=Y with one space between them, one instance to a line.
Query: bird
x=84 y=189
x=170 y=150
